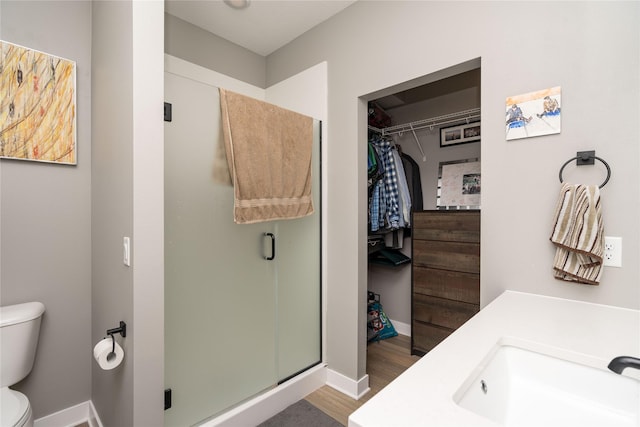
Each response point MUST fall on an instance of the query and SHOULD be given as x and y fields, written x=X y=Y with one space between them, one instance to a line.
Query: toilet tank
x=19 y=330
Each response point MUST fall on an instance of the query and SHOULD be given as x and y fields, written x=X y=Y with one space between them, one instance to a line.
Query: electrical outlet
x=612 y=256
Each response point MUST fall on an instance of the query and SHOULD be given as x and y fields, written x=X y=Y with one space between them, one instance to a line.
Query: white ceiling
x=263 y=27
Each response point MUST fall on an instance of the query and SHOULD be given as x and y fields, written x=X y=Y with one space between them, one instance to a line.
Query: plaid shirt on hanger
x=390 y=184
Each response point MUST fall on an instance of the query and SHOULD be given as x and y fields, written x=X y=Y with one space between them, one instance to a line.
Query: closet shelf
x=446 y=119
x=468 y=115
x=389 y=257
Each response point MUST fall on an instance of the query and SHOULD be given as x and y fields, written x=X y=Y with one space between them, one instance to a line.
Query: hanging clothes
x=374 y=209
x=412 y=172
x=392 y=217
x=389 y=195
x=403 y=190
x=377 y=201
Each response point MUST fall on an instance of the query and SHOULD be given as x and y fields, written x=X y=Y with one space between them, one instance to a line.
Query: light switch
x=126 y=251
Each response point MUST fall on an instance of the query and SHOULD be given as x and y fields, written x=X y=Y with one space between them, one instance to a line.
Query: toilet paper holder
x=122 y=330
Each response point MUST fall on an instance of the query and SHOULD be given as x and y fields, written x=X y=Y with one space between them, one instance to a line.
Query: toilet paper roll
x=103 y=355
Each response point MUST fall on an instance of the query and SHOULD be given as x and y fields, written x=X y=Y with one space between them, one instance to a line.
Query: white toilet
x=19 y=329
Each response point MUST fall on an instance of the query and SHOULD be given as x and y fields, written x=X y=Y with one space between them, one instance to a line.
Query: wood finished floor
x=386 y=360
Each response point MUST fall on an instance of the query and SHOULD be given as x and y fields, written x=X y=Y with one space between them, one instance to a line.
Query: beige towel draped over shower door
x=269 y=156
x=578 y=234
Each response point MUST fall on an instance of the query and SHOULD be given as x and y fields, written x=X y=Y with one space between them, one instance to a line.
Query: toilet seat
x=16 y=410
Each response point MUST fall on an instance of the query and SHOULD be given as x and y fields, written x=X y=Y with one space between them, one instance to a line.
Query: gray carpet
x=301 y=414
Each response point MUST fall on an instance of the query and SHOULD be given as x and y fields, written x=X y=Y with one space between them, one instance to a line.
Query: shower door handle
x=273 y=247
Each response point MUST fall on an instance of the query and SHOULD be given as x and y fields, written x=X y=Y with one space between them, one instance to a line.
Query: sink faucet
x=618 y=364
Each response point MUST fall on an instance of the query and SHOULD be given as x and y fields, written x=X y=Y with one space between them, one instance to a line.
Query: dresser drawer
x=442 y=312
x=425 y=336
x=454 y=285
x=447 y=226
x=453 y=256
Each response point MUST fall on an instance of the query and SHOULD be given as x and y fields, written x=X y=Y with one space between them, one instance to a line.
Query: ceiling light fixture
x=238 y=4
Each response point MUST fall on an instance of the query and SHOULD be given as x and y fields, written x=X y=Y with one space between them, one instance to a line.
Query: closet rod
x=467 y=115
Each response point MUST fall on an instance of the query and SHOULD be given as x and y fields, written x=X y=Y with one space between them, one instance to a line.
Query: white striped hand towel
x=578 y=234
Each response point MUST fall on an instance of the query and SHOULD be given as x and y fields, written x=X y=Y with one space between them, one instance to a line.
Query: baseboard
x=357 y=389
x=270 y=403
x=401 y=328
x=72 y=416
x=94 y=419
x=345 y=385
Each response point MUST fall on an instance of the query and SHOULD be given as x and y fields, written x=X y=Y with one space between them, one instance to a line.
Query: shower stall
x=242 y=302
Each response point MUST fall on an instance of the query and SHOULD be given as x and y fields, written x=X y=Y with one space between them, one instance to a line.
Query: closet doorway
x=417 y=118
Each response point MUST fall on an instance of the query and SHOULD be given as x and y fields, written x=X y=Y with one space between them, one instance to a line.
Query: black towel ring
x=587 y=158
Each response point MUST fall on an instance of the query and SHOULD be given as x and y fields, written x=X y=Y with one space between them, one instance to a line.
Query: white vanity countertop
x=581 y=332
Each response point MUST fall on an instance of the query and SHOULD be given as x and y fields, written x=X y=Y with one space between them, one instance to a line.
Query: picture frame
x=460 y=134
x=459 y=184
x=534 y=114
x=38 y=99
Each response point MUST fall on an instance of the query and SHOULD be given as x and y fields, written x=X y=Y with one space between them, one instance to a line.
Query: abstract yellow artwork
x=37 y=106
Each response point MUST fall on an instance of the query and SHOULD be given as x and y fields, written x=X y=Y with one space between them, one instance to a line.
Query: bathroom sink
x=519 y=387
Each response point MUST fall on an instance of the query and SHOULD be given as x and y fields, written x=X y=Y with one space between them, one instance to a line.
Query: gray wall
x=193 y=44
x=61 y=227
x=46 y=218
x=592 y=52
x=112 y=202
x=127 y=200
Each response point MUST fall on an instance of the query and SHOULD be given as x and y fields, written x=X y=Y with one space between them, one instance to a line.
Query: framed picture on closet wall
x=460 y=134
x=459 y=184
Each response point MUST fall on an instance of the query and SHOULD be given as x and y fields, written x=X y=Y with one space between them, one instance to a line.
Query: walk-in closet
x=424 y=158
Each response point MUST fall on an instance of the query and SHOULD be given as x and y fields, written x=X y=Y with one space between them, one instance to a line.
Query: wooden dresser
x=445 y=274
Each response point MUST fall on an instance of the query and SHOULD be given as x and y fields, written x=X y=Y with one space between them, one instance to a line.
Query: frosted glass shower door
x=236 y=324
x=219 y=290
